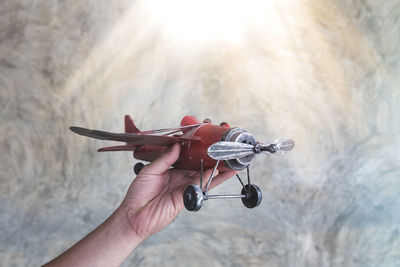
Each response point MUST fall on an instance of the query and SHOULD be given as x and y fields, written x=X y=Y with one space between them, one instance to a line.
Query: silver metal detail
x=240 y=180
x=211 y=178
x=241 y=136
x=248 y=175
x=282 y=145
x=239 y=148
x=229 y=150
x=226 y=196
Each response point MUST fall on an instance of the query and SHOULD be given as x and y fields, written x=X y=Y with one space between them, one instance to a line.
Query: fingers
x=163 y=163
x=185 y=173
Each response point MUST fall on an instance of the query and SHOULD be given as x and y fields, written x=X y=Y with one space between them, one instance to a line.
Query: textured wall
x=326 y=73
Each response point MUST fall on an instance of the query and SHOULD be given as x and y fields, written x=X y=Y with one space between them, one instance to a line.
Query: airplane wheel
x=193 y=197
x=254 y=196
x=138 y=167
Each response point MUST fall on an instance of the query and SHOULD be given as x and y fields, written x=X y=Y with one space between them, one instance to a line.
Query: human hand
x=154 y=198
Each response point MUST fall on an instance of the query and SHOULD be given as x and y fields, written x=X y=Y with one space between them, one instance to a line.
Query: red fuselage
x=191 y=151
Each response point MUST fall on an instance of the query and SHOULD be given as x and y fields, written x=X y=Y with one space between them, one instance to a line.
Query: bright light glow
x=204 y=20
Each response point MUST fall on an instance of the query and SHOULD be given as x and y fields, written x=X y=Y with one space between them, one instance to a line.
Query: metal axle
x=224 y=196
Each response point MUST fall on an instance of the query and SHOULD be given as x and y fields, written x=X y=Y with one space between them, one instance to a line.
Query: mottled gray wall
x=326 y=73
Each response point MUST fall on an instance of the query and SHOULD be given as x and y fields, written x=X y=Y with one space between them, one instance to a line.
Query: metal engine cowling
x=240 y=136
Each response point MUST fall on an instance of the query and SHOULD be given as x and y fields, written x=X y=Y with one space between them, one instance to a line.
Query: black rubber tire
x=192 y=197
x=254 y=196
x=138 y=167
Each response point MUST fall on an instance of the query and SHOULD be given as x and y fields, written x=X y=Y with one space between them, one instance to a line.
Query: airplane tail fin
x=129 y=128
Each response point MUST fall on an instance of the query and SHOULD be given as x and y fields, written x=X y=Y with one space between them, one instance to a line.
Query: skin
x=153 y=201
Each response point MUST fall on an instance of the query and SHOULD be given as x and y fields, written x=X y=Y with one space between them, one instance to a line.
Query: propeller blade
x=229 y=150
x=282 y=145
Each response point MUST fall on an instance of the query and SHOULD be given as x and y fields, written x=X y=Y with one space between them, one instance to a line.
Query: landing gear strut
x=194 y=195
x=253 y=195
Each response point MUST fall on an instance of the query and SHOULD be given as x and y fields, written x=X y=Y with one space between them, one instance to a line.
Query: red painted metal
x=192 y=151
x=195 y=139
x=130 y=125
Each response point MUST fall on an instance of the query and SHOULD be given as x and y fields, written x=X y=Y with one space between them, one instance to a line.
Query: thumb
x=164 y=162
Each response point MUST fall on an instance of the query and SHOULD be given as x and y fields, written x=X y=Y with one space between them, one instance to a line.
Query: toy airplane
x=203 y=146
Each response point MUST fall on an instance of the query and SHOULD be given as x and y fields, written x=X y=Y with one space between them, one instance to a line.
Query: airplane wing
x=133 y=138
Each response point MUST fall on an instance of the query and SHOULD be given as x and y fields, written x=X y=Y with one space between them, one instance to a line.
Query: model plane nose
x=233 y=150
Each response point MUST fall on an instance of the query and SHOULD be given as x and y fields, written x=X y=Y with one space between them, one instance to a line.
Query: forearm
x=108 y=245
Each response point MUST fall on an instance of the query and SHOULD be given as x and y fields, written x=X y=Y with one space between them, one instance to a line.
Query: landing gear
x=252 y=193
x=193 y=197
x=138 y=167
x=253 y=196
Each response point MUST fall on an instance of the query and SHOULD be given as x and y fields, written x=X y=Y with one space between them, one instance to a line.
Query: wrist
x=108 y=245
x=134 y=221
x=126 y=231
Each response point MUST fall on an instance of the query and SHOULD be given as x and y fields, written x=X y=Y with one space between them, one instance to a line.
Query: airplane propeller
x=232 y=150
